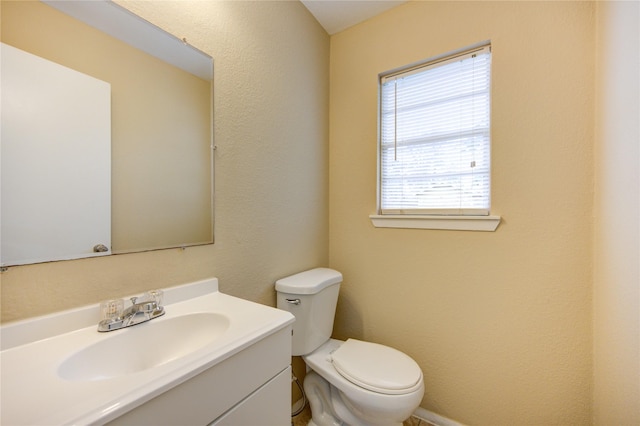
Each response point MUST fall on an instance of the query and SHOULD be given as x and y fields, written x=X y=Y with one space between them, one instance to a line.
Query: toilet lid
x=376 y=367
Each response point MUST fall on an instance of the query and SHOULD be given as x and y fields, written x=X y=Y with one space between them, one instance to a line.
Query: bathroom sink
x=58 y=369
x=143 y=346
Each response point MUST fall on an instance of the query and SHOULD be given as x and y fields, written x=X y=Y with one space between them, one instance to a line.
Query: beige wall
x=499 y=322
x=616 y=290
x=271 y=129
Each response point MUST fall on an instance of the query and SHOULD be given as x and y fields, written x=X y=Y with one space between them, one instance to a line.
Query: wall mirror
x=159 y=187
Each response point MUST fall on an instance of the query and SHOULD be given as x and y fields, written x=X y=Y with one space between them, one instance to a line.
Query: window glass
x=435 y=136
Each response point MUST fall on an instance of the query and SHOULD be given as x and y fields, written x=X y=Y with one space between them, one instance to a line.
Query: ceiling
x=337 y=15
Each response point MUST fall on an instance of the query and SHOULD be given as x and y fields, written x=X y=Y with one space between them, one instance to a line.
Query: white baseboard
x=434 y=418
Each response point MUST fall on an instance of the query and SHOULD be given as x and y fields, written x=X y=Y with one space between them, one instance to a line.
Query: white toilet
x=353 y=383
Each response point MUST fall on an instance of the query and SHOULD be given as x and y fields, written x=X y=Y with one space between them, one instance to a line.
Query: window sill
x=456 y=223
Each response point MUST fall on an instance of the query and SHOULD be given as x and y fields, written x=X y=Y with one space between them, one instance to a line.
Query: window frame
x=476 y=220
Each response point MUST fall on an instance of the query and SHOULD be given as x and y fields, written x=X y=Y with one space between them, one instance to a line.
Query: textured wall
x=271 y=129
x=499 y=322
x=616 y=292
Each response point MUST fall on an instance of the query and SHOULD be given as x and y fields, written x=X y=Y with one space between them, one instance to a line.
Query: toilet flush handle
x=293 y=301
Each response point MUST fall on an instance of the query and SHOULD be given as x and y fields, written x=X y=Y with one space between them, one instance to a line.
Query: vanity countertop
x=34 y=393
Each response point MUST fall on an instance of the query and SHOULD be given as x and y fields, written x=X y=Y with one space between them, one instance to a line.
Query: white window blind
x=435 y=137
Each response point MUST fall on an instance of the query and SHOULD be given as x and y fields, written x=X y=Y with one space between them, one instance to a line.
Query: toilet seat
x=377 y=368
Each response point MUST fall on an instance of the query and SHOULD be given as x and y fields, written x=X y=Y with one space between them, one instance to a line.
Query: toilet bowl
x=351 y=382
x=373 y=385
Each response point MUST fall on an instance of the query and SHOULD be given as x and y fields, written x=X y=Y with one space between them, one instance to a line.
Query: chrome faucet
x=137 y=313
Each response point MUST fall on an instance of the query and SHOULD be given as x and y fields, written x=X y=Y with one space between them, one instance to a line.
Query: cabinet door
x=270 y=405
x=55 y=156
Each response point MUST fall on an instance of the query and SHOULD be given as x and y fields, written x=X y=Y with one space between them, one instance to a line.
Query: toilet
x=351 y=382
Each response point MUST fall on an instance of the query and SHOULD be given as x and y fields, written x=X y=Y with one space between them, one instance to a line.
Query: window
x=434 y=152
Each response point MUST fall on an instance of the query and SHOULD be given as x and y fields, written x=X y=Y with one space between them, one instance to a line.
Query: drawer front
x=268 y=406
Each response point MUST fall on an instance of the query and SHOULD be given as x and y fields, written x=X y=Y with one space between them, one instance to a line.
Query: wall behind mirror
x=161 y=192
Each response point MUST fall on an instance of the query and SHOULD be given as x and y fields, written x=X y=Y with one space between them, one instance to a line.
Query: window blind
x=435 y=137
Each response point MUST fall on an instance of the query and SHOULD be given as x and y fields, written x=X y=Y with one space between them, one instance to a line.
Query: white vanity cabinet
x=252 y=387
x=212 y=359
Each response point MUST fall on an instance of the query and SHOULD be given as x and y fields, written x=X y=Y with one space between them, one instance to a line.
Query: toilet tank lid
x=309 y=282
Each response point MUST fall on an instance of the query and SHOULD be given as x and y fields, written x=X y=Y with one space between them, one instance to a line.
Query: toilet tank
x=311 y=296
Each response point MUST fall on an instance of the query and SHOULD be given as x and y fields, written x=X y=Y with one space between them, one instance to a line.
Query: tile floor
x=303 y=418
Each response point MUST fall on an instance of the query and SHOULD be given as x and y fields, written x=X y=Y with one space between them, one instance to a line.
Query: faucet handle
x=133 y=300
x=155 y=296
x=111 y=309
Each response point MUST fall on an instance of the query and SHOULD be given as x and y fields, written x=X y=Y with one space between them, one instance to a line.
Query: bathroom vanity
x=211 y=359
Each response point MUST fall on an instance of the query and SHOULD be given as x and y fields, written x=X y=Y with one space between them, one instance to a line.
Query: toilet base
x=318 y=393
x=328 y=408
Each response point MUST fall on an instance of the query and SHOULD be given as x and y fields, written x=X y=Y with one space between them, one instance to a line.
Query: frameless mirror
x=161 y=129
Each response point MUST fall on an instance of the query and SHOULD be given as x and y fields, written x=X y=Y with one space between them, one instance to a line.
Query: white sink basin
x=143 y=346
